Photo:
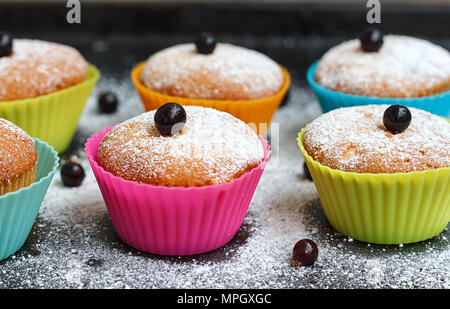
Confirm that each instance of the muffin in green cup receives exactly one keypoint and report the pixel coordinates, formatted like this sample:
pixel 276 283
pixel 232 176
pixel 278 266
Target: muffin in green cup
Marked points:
pixel 44 87
pixel 377 186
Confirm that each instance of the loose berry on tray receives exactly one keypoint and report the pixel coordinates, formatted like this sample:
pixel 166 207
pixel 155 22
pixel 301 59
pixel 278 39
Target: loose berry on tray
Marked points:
pixel 305 253
pixel 306 171
pixel 72 173
pixel 107 102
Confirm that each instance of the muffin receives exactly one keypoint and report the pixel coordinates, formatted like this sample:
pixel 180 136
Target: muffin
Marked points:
pixel 229 73
pixel 226 77
pixel 376 183
pixel 35 68
pixel 178 181
pixel 18 158
pixel 44 87
pixel 365 145
pixel 393 69
pixel 404 67
pixel 212 148
pixel 29 165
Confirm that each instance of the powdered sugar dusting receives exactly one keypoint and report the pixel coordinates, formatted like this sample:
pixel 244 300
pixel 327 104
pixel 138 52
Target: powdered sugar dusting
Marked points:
pixel 229 73
pixel 403 67
pixel 354 139
pixel 7 126
pixel 284 209
pixel 37 67
pixel 213 147
pixel 73 243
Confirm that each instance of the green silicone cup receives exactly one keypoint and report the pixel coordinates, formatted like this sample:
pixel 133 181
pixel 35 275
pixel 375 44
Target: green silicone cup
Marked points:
pixel 395 208
pixel 53 117
pixel 19 209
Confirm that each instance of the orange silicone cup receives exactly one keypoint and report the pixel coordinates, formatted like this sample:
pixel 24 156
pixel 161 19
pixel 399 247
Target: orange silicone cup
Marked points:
pixel 256 113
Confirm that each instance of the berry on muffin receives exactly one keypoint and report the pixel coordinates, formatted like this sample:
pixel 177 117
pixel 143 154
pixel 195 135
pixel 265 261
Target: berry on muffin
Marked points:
pixel 391 66
pixel 5 44
pixel 212 71
pixel 356 139
pixel 170 118
pixel 34 68
pixel 210 148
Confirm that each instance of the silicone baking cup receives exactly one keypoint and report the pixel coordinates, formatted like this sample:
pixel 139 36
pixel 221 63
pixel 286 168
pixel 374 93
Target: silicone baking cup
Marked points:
pixel 19 209
pixel 438 104
pixel 174 220
pixel 53 117
pixel 257 113
pixel 395 208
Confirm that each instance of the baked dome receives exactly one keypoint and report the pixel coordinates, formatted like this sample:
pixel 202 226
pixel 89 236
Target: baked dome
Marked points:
pixel 354 139
pixel 404 67
pixel 38 68
pixel 229 73
pixel 213 147
pixel 18 156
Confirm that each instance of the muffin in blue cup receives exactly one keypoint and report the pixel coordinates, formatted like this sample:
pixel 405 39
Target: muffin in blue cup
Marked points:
pixel 27 168
pixel 377 69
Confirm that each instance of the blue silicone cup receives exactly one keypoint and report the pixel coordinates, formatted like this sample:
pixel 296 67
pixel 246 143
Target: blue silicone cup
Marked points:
pixel 438 104
pixel 18 210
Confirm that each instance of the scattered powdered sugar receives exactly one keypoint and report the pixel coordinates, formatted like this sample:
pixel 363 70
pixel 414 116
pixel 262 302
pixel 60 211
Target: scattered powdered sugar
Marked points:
pixel 403 67
pixel 130 105
pixel 212 148
pixel 229 73
pixel 38 67
pixel 354 139
pixel 73 243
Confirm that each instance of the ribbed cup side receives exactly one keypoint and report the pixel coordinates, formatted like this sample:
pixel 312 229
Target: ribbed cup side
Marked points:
pixel 19 209
pixel 383 208
pixel 53 117
pixel 25 180
pixel 438 104
pixel 174 220
pixel 249 111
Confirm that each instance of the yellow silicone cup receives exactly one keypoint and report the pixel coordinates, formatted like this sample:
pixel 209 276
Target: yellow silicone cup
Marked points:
pixel 395 208
pixel 257 113
pixel 52 117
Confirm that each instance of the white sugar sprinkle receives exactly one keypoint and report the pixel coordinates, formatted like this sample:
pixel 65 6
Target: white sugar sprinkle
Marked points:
pixel 230 70
pixel 38 67
pixel 354 139
pixel 285 208
pixel 213 147
pixel 403 67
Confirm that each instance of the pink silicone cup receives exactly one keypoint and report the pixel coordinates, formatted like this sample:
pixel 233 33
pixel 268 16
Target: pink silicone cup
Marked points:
pixel 174 220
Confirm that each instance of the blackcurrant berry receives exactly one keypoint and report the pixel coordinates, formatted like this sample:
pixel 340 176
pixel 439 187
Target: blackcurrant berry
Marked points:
pixel 170 118
pixel 72 173
pixel 306 171
pixel 107 102
pixel 5 44
pixel 205 43
pixel 371 40
pixel 396 118
pixel 305 253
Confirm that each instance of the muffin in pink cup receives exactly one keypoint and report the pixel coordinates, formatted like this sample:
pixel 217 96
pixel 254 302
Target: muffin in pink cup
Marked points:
pixel 178 181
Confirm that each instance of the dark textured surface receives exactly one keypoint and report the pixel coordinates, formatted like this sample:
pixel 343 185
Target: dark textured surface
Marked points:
pixel 73 244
